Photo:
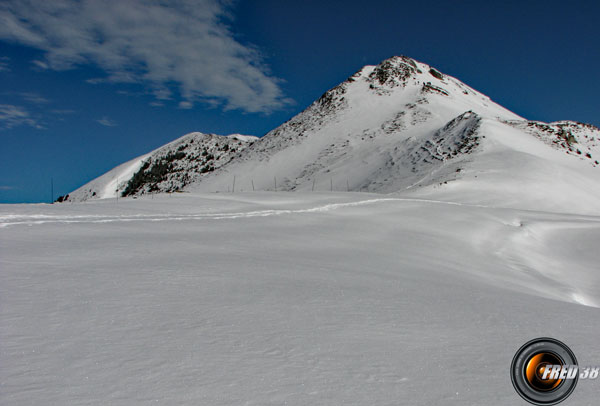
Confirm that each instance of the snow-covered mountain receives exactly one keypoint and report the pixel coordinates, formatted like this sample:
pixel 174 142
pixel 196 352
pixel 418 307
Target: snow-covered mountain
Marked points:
pixel 314 298
pixel 400 126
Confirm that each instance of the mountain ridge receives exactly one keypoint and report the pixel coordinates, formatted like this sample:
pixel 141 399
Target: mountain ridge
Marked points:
pixel 391 127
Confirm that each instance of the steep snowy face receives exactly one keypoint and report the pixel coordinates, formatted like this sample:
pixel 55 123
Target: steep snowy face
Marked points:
pixel 396 94
pixel 167 169
pixel 362 134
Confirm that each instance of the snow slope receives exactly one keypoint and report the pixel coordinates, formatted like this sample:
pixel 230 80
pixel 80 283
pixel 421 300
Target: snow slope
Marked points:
pixel 402 126
pixel 288 298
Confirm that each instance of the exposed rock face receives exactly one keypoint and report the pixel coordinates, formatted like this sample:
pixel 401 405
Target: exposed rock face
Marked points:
pixel 168 169
pixel 579 139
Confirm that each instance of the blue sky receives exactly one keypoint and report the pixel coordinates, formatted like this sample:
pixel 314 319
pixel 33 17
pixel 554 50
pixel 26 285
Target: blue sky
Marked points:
pixel 86 85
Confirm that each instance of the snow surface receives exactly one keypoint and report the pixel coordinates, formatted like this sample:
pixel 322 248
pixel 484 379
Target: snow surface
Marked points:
pixel 288 298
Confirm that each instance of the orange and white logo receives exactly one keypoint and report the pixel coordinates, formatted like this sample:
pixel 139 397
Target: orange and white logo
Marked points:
pixel 545 371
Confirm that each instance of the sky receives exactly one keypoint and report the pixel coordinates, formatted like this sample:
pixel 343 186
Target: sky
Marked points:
pixel 87 85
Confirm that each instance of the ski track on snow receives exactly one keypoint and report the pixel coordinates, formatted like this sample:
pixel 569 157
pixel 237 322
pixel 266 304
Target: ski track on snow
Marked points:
pixel 38 219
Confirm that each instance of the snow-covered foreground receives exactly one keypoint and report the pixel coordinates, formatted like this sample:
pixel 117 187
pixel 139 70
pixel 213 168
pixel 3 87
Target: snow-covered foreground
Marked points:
pixel 288 298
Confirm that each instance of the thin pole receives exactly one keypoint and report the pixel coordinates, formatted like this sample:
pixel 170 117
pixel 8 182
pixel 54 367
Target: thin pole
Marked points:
pixel 275 180
pixel 347 186
pixel 331 180
pixel 51 190
pixel 233 187
pixel 313 187
pixel 253 185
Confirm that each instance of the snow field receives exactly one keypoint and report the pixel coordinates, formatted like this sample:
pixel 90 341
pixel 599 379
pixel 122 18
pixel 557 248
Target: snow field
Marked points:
pixel 287 298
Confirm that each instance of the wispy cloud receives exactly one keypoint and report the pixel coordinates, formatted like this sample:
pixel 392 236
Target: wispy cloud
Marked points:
pixel 6 187
pixel 14 116
pixel 33 98
pixel 29 97
pixel 105 121
pixel 181 49
pixel 4 67
pixel 41 65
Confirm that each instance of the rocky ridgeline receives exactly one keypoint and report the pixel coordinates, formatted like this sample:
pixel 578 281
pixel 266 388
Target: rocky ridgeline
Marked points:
pixel 391 73
pixel 171 169
pixel 575 138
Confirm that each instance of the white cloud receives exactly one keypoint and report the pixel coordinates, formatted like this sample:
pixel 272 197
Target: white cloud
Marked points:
pixel 185 105
pixel 29 97
pixel 105 121
pixel 40 64
pixel 182 44
pixel 14 116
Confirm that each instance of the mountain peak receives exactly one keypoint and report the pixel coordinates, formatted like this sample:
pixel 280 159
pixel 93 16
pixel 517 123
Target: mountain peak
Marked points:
pixel 394 71
pixel 399 126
